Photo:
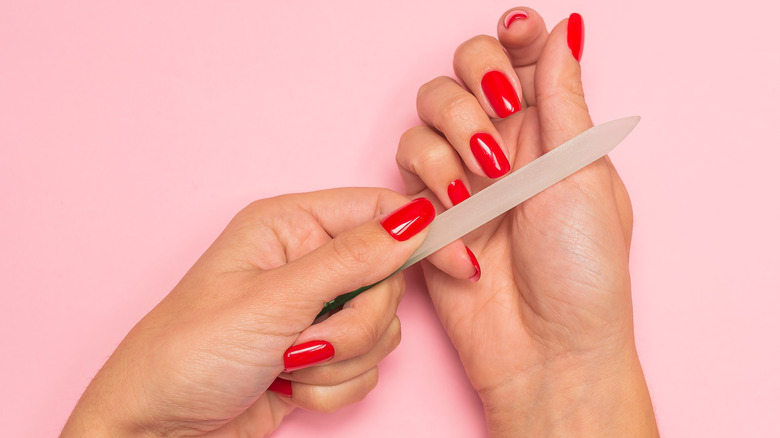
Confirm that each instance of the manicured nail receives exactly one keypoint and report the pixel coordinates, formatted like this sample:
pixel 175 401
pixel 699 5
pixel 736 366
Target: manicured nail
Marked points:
pixel 489 155
pixel 477 270
pixel 575 35
pixel 281 386
pixel 457 192
pixel 516 15
pixel 500 93
pixel 409 220
pixel 307 354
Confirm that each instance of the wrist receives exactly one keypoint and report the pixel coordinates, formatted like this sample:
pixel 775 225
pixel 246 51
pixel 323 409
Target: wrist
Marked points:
pixel 89 420
pixel 107 409
pixel 583 395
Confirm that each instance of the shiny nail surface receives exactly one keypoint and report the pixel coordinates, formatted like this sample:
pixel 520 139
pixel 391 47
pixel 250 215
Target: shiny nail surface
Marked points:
pixel 500 93
pixel 489 155
pixel 307 354
pixel 457 192
pixel 281 386
pixel 409 220
pixel 477 270
pixel 514 16
pixel 575 35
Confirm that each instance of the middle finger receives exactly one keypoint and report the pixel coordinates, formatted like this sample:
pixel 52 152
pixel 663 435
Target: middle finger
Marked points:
pixel 457 114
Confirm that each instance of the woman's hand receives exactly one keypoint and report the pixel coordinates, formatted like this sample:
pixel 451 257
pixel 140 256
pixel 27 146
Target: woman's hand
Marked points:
pixel 240 321
pixel 546 333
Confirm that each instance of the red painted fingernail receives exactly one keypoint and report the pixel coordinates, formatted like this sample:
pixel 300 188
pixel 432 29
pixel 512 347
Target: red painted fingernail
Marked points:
pixel 281 386
pixel 457 192
pixel 511 18
pixel 500 93
pixel 409 220
pixel 307 354
pixel 575 35
pixel 477 270
pixel 489 155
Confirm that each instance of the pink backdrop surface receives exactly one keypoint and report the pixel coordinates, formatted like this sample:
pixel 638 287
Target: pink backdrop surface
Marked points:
pixel 131 132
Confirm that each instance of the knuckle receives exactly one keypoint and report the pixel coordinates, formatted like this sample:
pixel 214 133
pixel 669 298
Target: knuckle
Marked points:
pixel 476 45
pixel 411 135
pixel 410 142
pixel 322 400
pixel 434 84
pixel 254 209
pixel 394 333
pixel 568 93
pixel 265 211
pixel 366 335
pixel 398 286
pixel 452 107
pixel 432 158
pixel 364 384
pixel 372 378
pixel 352 250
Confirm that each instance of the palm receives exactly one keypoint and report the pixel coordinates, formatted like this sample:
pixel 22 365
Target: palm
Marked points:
pixel 544 264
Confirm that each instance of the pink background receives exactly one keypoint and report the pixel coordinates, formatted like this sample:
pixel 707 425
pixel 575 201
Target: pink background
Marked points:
pixel 131 132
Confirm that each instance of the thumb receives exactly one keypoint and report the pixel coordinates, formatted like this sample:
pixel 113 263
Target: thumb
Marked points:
pixel 563 112
pixel 358 257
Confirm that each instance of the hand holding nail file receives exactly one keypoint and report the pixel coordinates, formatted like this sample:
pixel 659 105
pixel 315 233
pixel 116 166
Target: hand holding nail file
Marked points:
pixel 512 190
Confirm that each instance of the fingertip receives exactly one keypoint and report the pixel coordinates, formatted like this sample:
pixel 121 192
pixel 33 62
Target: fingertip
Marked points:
pixel 501 93
pixel 514 15
pixel 409 220
pixel 281 387
pixel 483 66
pixel 477 269
pixel 565 43
pixel 522 32
pixel 457 192
pixel 457 261
pixel 575 35
pixel 490 155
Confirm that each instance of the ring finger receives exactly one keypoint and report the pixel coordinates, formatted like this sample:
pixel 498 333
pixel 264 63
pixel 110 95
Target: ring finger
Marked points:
pixel 443 104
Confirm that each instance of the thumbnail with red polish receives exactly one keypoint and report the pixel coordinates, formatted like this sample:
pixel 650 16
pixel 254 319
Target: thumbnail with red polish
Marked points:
pixel 477 270
pixel 457 192
pixel 307 354
pixel 500 93
pixel 409 220
pixel 281 386
pixel 575 35
pixel 489 155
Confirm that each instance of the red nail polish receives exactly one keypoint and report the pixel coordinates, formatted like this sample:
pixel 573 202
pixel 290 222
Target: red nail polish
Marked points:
pixel 516 15
pixel 457 192
pixel 489 155
pixel 500 93
pixel 477 270
pixel 281 386
pixel 307 354
pixel 409 220
pixel 575 35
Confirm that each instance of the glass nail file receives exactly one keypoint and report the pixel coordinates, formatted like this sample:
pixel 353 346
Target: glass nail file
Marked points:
pixel 512 190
